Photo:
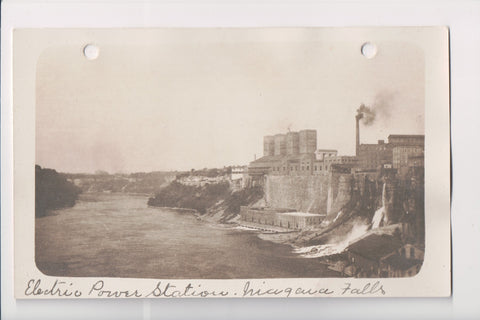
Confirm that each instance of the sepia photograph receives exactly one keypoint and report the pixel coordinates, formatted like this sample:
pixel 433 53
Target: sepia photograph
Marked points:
pixel 228 152
pixel 231 154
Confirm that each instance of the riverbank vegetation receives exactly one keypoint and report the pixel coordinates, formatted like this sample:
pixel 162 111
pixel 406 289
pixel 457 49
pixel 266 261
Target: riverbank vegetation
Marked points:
pixel 52 191
pixel 207 198
pixel 138 182
pixel 177 195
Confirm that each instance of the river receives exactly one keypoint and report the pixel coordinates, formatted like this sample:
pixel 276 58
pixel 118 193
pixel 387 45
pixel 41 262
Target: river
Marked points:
pixel 118 235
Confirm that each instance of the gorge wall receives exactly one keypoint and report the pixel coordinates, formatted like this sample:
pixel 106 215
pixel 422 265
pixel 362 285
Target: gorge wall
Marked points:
pixel 315 194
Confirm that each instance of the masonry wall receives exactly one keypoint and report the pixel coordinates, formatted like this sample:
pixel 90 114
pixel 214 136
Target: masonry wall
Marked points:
pixel 309 193
pixel 341 194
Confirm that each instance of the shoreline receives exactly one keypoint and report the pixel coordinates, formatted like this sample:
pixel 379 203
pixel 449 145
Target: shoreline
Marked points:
pixel 273 234
pixel 276 235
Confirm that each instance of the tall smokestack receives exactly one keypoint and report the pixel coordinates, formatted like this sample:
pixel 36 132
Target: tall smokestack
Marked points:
pixel 357 122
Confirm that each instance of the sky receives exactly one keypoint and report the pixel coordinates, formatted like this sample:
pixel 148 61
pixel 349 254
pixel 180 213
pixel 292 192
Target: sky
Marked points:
pixel 195 103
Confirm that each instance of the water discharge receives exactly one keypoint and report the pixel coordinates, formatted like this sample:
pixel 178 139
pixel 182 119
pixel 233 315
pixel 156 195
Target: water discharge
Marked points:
pixel 379 215
pixel 338 215
pixel 335 246
pixel 311 205
pixel 329 198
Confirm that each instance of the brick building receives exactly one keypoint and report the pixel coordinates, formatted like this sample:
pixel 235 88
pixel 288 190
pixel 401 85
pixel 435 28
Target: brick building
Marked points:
pixel 292 153
pixel 372 156
pixel 396 152
pixel 296 154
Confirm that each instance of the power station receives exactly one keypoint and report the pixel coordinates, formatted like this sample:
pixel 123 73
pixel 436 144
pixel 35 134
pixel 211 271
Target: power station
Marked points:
pixel 296 153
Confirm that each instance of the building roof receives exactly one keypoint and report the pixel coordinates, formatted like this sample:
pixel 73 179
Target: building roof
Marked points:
pixel 302 214
pixel 264 161
pixel 376 145
pixel 375 244
pixel 261 162
pixel 267 159
pixel 406 136
pixel 400 262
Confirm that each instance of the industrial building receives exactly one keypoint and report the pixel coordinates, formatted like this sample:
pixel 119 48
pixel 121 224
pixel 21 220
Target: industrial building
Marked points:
pixel 294 153
pixel 396 152
pixel 279 218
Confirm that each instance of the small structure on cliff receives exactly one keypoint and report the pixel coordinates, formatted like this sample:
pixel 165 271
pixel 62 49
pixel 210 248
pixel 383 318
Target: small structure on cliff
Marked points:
pixel 283 218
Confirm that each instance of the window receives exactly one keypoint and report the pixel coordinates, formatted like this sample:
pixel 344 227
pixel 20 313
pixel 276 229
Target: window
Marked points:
pixel 412 253
pixel 296 168
pixel 308 167
pixel 303 168
pixel 315 168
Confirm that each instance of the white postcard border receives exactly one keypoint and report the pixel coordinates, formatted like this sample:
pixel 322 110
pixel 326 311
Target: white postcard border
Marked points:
pixel 434 277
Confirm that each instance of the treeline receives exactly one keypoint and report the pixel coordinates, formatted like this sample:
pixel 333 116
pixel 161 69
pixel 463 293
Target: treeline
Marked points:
pixel 243 197
pixel 138 182
pixel 210 173
pixel 53 191
pixel 177 195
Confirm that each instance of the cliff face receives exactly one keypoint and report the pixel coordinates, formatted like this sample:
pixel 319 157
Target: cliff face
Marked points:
pixel 303 193
pixel 313 194
pixel 177 195
pixel 216 201
pixel 373 200
pixel 341 194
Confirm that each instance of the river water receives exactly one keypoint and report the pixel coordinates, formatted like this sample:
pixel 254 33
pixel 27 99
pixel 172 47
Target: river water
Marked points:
pixel 118 235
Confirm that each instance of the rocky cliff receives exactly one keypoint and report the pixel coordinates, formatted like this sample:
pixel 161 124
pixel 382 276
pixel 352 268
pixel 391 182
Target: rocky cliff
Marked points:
pixel 325 194
pixel 352 202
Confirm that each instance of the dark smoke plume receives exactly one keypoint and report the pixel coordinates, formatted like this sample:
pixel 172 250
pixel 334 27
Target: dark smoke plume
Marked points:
pixel 384 103
pixel 381 107
pixel 366 114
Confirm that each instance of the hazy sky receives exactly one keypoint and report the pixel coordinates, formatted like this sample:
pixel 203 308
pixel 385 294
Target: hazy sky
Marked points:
pixel 196 104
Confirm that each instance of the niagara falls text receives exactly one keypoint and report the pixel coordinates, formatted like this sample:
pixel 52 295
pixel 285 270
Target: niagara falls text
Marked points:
pixel 162 289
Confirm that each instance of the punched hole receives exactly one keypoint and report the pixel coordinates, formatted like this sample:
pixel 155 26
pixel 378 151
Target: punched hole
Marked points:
pixel 369 50
pixel 91 51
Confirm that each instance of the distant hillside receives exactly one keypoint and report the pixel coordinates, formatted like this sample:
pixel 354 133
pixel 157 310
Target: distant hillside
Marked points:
pixel 214 198
pixel 139 182
pixel 178 195
pixel 53 191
